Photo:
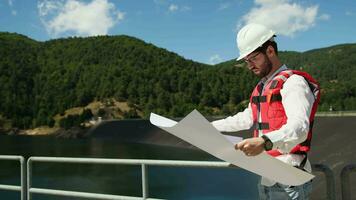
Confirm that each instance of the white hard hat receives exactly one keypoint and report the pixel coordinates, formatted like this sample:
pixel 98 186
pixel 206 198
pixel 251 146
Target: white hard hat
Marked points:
pixel 252 36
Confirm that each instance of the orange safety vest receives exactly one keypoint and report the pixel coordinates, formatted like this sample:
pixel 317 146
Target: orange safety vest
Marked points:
pixel 269 105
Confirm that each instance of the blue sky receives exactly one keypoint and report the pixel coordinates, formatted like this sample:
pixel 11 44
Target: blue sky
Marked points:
pixel 201 30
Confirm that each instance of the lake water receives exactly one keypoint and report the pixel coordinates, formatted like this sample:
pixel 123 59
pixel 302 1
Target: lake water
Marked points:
pixel 333 145
pixel 164 182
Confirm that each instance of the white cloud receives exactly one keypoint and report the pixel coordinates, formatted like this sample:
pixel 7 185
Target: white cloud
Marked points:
pixel 160 2
pixel 186 8
pixel 10 2
pixel 78 18
pixel 283 16
pixel 173 7
pixel 324 17
pixel 46 7
pixel 215 59
pixel 224 6
pixel 349 13
pixel 120 15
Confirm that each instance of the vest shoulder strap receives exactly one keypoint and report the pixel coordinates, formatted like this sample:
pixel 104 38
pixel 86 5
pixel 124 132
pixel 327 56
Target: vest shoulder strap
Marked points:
pixel 284 75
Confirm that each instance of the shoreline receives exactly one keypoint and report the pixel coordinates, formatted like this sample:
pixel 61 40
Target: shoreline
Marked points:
pixel 73 132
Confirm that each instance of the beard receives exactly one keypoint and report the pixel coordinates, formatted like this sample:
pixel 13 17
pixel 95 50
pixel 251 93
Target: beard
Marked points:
pixel 265 68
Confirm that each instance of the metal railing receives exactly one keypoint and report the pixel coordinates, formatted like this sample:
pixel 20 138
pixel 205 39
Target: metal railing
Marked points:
pixel 22 187
pixel 330 179
pixel 345 181
pixel 27 189
pixel 143 163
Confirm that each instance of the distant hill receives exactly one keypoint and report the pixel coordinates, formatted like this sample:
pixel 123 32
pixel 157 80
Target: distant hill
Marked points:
pixel 335 69
pixel 39 80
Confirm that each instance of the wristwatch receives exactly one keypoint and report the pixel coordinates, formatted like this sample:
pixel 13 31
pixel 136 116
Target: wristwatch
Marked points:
pixel 268 144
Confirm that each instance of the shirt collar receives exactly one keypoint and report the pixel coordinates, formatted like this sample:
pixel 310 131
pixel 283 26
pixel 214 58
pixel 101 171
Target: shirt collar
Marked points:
pixel 266 79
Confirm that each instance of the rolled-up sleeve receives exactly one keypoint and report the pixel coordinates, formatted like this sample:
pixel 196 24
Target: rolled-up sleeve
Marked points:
pixel 240 121
pixel 297 100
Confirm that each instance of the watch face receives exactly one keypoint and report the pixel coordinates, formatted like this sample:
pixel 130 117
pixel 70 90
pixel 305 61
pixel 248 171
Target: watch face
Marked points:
pixel 268 145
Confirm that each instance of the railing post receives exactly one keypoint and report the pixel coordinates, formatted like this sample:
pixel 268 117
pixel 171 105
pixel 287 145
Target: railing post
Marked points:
pixel 144 182
pixel 345 181
pixel 23 179
pixel 330 179
pixel 29 178
pixel 20 188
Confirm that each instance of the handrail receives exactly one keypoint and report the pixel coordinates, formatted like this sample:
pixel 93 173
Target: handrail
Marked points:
pixel 21 188
pixel 345 181
pixel 26 188
pixel 176 163
pixel 143 163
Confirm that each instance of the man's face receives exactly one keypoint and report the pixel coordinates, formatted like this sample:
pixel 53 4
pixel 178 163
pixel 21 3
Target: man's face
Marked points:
pixel 258 63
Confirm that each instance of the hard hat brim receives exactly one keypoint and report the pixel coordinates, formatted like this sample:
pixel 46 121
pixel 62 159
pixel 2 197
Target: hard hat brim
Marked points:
pixel 243 55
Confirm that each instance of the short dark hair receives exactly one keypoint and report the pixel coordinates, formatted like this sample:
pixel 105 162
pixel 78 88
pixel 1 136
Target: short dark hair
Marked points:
pixel 265 45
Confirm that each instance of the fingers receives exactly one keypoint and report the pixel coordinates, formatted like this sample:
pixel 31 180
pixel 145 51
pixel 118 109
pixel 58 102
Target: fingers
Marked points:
pixel 240 145
pixel 244 147
pixel 247 146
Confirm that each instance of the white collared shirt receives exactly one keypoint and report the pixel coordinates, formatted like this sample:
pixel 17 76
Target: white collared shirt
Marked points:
pixel 297 100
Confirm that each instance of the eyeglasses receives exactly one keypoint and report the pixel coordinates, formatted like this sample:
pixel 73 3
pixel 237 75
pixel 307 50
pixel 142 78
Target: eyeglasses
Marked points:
pixel 252 59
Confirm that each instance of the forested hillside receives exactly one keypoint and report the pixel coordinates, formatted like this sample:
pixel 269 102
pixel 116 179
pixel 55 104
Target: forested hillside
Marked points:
pixel 41 79
pixel 333 67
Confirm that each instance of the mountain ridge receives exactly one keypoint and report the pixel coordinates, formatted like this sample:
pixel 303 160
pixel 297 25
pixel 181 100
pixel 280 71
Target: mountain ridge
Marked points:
pixel 39 80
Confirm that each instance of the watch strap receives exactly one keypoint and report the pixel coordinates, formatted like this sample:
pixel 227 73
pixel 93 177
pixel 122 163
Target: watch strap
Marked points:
pixel 268 143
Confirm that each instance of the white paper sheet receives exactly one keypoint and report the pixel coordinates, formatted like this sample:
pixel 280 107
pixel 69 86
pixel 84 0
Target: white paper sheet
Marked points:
pixel 233 139
pixel 198 131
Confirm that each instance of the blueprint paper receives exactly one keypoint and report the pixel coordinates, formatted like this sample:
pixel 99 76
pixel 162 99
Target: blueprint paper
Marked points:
pixel 233 139
pixel 198 131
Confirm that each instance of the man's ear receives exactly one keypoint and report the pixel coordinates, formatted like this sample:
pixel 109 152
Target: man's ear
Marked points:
pixel 270 51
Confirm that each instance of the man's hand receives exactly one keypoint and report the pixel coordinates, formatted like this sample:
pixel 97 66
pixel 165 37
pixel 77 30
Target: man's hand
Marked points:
pixel 251 146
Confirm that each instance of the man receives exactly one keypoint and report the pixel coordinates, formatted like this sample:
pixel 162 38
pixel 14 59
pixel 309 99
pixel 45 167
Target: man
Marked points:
pixel 281 109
